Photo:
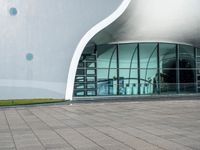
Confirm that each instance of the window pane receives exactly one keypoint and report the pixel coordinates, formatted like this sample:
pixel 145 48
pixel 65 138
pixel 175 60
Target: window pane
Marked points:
pixel 168 80
pixel 80 72
pixel 90 93
pixel 79 79
pixel 79 93
pixel 90 86
pixel 128 56
pixel 186 69
pixel 102 74
pixel 90 79
pixel 105 87
pixel 148 80
pixel 186 57
pixel 106 56
pixel 91 72
pixel 80 86
pixel 187 80
pixel 198 52
pixel 168 68
pixel 148 56
pixel 167 56
pixel 90 64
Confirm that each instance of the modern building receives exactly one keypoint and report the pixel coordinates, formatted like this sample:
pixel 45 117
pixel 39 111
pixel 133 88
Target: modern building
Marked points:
pixel 74 48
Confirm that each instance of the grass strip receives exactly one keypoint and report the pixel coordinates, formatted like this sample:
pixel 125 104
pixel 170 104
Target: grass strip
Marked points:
pixel 28 101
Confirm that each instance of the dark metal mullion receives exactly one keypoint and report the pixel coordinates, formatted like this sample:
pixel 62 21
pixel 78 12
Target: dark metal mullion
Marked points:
pixel 146 69
pixel 118 76
pixel 95 65
pixel 195 70
pixel 130 67
pixel 177 69
pixel 158 68
pixel 138 64
pixel 85 75
pixel 110 61
pixel 110 66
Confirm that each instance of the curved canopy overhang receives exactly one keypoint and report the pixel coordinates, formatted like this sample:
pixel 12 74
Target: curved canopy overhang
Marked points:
pixel 85 40
pixel 155 21
pixel 165 21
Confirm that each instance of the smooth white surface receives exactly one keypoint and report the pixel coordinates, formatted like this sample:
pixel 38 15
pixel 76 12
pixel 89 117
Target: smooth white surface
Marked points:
pixel 169 21
pixel 86 38
pixel 41 89
pixel 51 31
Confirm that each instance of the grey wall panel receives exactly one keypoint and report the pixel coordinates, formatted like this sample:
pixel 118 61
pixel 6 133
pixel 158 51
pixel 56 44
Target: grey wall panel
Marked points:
pixel 50 30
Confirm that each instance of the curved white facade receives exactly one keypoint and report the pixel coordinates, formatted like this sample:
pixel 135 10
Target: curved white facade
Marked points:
pixel 84 41
pixel 41 41
pixel 37 41
pixel 155 21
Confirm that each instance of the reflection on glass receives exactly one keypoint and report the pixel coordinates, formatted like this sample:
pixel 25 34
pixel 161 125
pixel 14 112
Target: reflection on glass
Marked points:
pixel 128 56
pixel 186 69
pixel 148 68
pixel 164 68
pixel 106 56
pixel 168 68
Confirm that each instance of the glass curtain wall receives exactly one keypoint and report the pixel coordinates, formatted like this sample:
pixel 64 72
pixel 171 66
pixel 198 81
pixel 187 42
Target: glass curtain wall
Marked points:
pixel 168 68
pixel 197 70
pixel 128 72
pixel 148 68
pixel 106 70
pixel 187 68
pixel 139 69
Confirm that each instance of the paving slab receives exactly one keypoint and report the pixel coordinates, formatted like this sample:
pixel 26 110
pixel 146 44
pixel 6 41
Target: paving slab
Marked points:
pixel 120 125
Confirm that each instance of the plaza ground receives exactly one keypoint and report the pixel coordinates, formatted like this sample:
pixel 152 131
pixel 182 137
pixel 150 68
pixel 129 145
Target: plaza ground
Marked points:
pixel 145 125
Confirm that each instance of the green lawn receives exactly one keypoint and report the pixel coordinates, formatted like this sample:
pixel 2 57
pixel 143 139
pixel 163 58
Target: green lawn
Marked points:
pixel 28 101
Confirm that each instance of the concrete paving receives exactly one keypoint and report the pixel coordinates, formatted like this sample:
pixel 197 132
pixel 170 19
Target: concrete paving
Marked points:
pixel 147 125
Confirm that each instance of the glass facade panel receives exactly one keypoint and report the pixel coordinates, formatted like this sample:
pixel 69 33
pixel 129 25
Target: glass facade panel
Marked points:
pixel 106 56
pixel 198 51
pixel 79 93
pixel 90 86
pixel 80 65
pixel 168 63
pixel 128 56
pixel 79 86
pixel 106 69
pixel 127 69
pixel 90 64
pixel 167 55
pixel 186 69
pixel 102 74
pixel 105 87
pixel 79 79
pixel 148 56
pixel 148 68
pixel 138 69
pixel 91 93
pixel 168 81
pixel 90 79
pixel 90 71
pixel 148 81
pixel 80 72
